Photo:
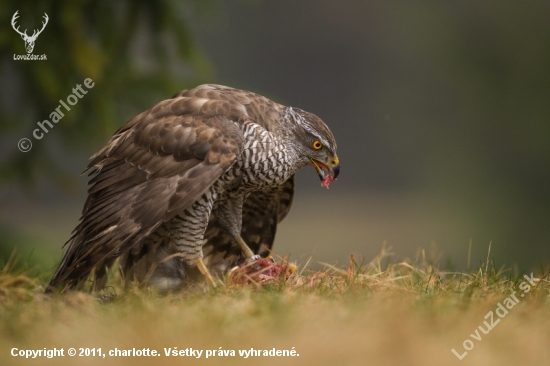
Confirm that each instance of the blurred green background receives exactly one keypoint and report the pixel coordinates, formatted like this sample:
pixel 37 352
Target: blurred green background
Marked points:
pixel 441 111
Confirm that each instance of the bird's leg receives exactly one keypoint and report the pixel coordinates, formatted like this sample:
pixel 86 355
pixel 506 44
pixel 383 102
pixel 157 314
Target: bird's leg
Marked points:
pixel 249 254
pixel 229 215
pixel 205 272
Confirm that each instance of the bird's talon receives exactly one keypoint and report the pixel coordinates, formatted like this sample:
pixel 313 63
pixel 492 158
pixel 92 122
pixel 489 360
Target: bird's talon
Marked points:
pixel 254 258
pixel 204 270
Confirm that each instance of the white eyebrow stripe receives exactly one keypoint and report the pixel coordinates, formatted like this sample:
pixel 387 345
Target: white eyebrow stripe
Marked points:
pixel 307 126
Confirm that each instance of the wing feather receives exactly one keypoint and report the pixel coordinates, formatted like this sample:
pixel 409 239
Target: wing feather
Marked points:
pixel 154 167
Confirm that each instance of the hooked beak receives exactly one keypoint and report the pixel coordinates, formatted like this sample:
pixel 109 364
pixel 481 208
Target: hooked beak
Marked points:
pixel 327 172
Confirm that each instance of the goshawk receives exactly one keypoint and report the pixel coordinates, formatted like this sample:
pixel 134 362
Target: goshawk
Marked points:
pixel 206 174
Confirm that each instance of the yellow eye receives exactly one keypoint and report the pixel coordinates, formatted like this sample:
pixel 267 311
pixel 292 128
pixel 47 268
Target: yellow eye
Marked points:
pixel 317 145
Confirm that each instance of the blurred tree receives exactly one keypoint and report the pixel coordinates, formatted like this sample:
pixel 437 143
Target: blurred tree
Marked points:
pixel 136 52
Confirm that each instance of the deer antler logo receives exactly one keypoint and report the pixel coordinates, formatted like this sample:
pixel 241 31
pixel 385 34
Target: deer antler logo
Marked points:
pixel 29 41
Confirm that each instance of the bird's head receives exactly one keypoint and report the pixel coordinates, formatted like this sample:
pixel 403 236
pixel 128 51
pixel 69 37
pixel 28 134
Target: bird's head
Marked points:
pixel 316 144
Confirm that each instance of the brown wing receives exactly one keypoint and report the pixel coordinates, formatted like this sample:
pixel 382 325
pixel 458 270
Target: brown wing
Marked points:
pixel 240 103
pixel 154 167
pixel 262 211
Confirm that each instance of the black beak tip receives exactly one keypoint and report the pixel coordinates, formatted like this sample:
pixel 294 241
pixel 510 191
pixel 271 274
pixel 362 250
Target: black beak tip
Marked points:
pixel 336 170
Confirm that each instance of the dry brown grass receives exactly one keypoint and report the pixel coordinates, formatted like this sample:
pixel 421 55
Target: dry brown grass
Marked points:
pixel 377 314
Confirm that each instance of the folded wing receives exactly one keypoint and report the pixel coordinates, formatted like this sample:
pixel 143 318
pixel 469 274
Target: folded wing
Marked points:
pixel 155 166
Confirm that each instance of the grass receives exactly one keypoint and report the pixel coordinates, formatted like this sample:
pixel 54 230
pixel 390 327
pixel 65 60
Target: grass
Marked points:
pixel 380 313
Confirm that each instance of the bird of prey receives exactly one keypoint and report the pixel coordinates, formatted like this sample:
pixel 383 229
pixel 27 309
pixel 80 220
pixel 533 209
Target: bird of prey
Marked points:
pixel 206 174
